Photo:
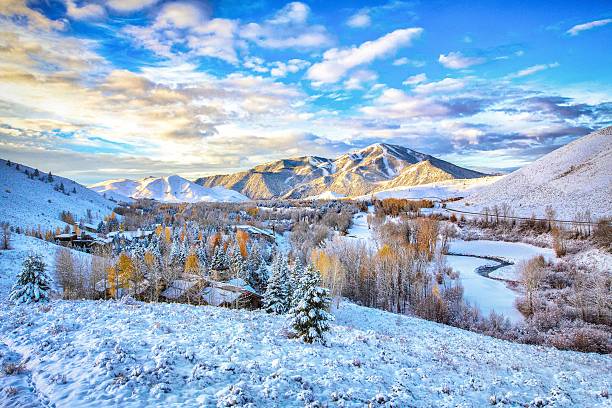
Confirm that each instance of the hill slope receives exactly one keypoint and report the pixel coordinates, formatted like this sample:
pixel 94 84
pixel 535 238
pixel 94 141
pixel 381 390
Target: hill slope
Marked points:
pixel 29 202
pixel 171 189
pixel 573 178
pixel 377 167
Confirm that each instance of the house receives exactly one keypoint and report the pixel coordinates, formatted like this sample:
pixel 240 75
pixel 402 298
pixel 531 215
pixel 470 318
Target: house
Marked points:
pixel 234 293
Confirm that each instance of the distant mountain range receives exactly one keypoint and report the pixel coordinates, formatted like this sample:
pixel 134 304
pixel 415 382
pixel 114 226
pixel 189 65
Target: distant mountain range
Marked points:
pixel 170 189
pixel 377 167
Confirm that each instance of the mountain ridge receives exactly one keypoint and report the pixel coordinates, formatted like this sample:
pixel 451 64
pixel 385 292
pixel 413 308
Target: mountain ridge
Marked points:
pixel 375 167
pixel 169 189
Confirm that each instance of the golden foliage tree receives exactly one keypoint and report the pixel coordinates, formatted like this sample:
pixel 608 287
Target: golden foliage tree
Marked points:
pixel 191 263
pixel 242 237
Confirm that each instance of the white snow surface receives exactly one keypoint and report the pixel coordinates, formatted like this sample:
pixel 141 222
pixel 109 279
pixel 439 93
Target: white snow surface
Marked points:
pixel 170 189
pixel 30 203
pixel 513 252
pixel 132 354
pixel 441 189
pixel 573 178
pixel 326 195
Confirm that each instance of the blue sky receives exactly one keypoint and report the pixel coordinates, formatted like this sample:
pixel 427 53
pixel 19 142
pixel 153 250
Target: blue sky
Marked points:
pixel 130 88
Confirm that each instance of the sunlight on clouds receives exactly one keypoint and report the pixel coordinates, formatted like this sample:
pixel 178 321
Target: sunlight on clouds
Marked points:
pixel 338 61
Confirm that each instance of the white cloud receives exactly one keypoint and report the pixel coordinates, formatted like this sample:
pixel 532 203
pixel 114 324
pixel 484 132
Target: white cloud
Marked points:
pixel 575 30
pixel 456 60
pixel 34 18
pixel 405 61
pixel 288 28
pixel 396 104
pixel 532 70
pixel 338 61
pixel 357 79
pixel 359 20
pixel 187 24
pixel 281 69
pixel 292 13
pixel 415 79
pixel 129 5
pixel 86 11
pixel 446 85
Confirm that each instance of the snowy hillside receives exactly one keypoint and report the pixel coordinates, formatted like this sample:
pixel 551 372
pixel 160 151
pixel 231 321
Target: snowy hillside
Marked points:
pixel 573 178
pixel 26 202
pixel 171 189
pixel 133 354
pixel 443 189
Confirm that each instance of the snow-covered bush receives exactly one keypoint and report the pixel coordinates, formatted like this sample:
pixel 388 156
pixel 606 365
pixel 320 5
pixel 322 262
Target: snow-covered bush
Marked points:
pixel 310 317
pixel 33 283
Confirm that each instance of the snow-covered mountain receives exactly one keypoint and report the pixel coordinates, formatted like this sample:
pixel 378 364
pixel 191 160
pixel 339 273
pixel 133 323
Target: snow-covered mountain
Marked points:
pixel 30 202
pixel 377 167
pixel 170 189
pixel 573 178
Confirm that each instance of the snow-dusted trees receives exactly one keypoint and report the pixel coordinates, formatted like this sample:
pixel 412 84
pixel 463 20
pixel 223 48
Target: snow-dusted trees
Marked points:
pixel 532 273
pixel 5 238
pixel 33 282
pixel 310 317
pixel 297 274
pixel 219 259
pixel 276 297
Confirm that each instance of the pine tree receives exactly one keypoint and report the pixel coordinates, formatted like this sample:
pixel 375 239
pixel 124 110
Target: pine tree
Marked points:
pixel 36 173
pixel 297 273
pixel 237 265
pixel 50 177
pixel 276 297
pixel 219 260
pixel 310 317
pixel 33 282
pixel 17 167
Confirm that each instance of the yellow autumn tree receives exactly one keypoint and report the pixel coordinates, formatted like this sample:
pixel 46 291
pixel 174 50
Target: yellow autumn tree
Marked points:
pixel 191 263
pixel 158 230
pixel 168 235
pixel 120 275
pixel 242 237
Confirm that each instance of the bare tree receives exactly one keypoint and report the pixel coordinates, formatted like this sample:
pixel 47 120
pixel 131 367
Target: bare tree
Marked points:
pixel 5 241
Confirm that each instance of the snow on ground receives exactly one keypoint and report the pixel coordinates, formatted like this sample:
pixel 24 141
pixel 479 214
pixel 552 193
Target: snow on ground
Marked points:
pixel 132 354
pixel 171 189
pixel 30 203
pixel 573 178
pixel 326 195
pixel 485 293
pixel 441 189
pixel 359 231
pixel 22 246
pixel 513 252
pixel 106 353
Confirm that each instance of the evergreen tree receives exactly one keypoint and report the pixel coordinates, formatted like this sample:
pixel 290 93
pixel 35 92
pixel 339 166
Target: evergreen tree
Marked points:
pixel 276 297
pixel 17 167
pixel 310 317
pixel 36 173
pixel 200 252
pixel 8 163
pixel 33 282
pixel 50 177
pixel 297 273
pixel 237 266
pixel 219 260
pixel 73 190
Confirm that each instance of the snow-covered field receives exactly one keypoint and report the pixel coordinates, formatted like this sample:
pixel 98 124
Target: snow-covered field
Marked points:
pixel 107 353
pixel 512 252
pixel 30 203
pixel 485 293
pixel 132 354
pixel 442 189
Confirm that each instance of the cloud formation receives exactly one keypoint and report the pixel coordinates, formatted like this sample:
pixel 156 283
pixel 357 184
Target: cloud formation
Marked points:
pixel 338 61
pixel 577 29
pixel 456 60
